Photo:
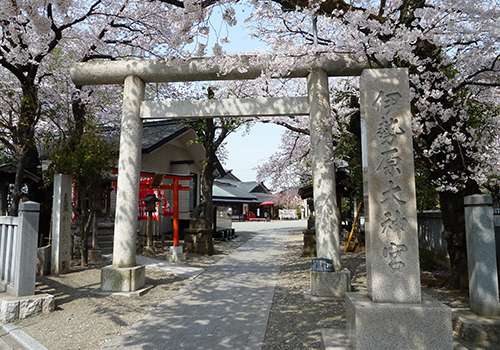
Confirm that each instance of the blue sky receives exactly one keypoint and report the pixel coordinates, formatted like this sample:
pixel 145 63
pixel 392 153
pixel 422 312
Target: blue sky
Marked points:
pixel 246 152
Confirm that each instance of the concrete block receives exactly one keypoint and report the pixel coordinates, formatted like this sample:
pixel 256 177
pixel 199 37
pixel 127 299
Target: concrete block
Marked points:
pixel 23 283
pixel 123 279
pixel 484 330
pixel 481 255
pixel 330 284
pixel 43 261
pixel 48 304
pixel 176 254
pixel 9 311
pixel 30 307
pixel 426 325
pixel 137 278
pixel 13 308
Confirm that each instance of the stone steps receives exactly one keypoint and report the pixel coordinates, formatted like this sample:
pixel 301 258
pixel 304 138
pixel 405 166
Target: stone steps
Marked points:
pixel 105 238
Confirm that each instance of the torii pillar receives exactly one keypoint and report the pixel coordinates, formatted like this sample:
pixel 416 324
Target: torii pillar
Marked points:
pixel 124 275
pixel 337 282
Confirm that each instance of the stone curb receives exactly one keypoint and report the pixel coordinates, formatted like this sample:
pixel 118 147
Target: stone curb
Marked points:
pixel 14 308
pixel 22 338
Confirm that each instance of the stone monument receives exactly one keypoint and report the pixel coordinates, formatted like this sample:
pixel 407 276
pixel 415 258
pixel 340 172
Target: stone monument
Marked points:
pixel 61 224
pixel 392 315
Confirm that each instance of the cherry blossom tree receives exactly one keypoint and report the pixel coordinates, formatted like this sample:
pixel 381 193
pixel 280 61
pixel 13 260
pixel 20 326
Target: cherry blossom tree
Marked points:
pixel 288 199
pixel 451 50
pixel 212 133
pixel 36 34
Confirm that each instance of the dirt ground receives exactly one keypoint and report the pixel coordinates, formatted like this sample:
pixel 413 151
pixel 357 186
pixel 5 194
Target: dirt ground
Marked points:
pixel 86 319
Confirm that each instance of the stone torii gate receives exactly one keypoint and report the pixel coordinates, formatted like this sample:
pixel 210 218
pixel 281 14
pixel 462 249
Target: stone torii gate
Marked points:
pixel 394 301
pixel 124 275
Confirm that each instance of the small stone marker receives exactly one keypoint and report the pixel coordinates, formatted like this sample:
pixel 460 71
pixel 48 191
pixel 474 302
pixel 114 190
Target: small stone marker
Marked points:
pixel 61 224
pixel 481 255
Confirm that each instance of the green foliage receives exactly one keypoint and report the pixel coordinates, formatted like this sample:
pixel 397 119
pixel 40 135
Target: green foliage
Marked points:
pixel 349 150
pixel 428 261
pixel 427 195
pixel 83 153
pixel 86 156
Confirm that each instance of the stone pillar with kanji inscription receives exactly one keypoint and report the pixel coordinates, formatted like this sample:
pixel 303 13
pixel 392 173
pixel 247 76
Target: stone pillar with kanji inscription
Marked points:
pixel 61 224
pixel 393 314
pixel 392 265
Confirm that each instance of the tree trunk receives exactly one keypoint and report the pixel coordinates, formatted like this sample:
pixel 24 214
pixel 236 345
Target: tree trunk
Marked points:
pixel 207 182
pixel 18 184
pixel 453 217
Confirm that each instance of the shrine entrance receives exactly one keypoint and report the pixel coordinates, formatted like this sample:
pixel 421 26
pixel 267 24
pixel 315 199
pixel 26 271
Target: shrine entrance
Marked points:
pixel 135 74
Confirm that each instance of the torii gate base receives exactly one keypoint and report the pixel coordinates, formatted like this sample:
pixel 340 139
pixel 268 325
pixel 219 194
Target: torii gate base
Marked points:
pixel 123 279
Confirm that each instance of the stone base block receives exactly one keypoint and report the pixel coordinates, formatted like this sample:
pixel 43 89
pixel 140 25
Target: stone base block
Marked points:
pixel 176 254
pixel 15 308
pixel 123 279
pixel 330 284
pixel 484 330
pixel 309 248
pixel 94 255
pixel 199 241
pixel 380 326
pixel 148 251
pixel 43 261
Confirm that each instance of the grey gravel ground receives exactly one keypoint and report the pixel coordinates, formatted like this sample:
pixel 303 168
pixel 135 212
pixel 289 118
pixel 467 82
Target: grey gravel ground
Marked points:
pixel 84 319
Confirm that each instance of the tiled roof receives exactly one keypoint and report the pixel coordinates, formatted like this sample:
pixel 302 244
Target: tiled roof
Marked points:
pixel 230 190
pixel 155 134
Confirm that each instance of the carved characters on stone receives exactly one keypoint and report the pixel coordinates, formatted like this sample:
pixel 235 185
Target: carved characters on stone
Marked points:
pixel 393 252
pixel 393 223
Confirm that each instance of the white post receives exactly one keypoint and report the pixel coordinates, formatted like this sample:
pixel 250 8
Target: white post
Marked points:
pixel 129 163
pixel 325 198
pixel 481 255
pixel 25 255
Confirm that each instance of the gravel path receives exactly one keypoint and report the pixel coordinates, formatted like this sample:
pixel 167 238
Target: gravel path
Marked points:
pixel 84 319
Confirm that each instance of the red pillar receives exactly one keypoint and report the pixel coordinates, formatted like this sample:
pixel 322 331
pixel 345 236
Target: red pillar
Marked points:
pixel 176 212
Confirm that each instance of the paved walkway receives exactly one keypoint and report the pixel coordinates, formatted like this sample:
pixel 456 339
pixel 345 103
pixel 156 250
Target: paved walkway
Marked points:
pixel 225 307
